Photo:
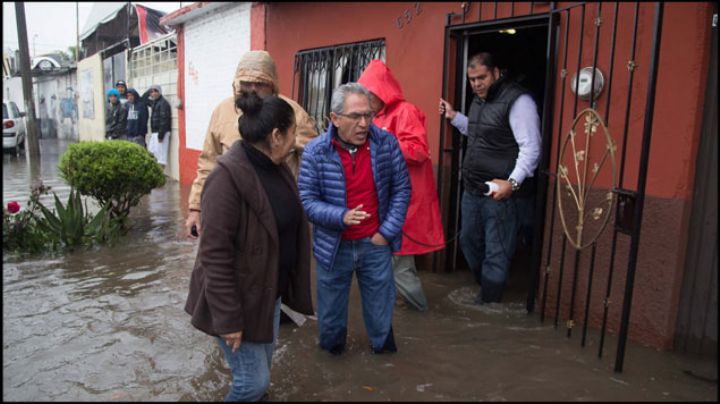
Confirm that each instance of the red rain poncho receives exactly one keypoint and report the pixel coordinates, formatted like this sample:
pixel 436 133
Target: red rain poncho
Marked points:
pixel 407 123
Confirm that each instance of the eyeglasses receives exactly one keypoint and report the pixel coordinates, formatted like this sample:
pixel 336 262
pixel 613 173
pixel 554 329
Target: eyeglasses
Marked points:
pixel 355 116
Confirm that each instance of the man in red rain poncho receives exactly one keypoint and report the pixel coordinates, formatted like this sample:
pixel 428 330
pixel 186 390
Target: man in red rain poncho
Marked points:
pixel 422 231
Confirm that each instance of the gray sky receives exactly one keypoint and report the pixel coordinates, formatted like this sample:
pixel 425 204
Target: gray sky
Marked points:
pixel 55 23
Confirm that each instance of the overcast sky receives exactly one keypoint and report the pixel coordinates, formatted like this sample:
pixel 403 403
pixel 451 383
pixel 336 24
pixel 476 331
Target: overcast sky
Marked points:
pixel 55 23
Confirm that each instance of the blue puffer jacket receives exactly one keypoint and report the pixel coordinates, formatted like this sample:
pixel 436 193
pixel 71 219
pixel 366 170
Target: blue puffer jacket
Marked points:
pixel 321 183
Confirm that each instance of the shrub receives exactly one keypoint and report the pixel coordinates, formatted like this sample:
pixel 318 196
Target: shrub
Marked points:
pixel 116 173
pixel 72 225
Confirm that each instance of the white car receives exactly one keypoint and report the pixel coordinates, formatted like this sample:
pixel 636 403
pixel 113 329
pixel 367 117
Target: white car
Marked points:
pixel 13 127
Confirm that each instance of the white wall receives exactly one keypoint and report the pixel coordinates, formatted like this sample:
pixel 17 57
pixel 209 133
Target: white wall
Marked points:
pixel 13 91
pixel 168 82
pixel 90 88
pixel 59 87
pixel 214 44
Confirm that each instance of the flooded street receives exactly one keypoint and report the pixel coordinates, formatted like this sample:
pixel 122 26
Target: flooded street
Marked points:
pixel 107 324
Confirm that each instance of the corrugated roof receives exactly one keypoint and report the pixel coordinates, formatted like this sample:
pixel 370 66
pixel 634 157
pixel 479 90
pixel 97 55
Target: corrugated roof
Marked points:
pixel 101 12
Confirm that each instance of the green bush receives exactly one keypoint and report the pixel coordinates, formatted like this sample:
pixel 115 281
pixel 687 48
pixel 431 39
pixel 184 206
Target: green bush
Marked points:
pixel 116 173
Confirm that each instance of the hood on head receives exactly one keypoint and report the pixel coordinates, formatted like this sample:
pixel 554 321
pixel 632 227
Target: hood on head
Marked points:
pixel 256 66
pixel 378 78
pixel 114 92
pixel 156 87
pixel 134 93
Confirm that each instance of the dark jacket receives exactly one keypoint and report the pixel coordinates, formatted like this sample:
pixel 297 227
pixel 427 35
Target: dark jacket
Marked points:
pixel 115 118
pixel 233 286
pixel 322 190
pixel 137 116
pixel 160 120
pixel 492 149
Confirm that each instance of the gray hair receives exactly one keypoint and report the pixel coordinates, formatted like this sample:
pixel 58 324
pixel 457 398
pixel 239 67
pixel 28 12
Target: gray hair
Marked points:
pixel 337 103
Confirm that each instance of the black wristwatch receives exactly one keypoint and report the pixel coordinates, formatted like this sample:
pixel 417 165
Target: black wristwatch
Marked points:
pixel 514 184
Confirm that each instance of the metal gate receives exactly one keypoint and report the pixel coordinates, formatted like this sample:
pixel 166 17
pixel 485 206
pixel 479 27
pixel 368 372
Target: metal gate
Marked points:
pixel 593 63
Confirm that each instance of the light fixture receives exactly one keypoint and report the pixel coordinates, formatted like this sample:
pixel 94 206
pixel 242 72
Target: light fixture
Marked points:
pixel 510 31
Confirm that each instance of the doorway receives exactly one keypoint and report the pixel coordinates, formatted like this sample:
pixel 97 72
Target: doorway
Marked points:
pixel 521 49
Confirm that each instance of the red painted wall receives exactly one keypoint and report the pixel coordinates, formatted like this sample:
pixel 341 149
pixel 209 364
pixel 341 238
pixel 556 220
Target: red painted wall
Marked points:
pixel 415 54
pixel 188 158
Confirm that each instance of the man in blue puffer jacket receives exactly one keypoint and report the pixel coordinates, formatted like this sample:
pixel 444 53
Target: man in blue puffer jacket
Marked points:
pixel 355 188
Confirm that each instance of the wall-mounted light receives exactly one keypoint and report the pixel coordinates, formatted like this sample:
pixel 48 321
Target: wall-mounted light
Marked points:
pixel 582 88
pixel 510 31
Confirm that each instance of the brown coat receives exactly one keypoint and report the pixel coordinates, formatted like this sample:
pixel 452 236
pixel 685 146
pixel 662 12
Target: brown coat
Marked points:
pixel 233 286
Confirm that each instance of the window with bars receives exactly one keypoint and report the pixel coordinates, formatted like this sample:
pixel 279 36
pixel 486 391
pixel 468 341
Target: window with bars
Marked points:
pixel 155 57
pixel 319 71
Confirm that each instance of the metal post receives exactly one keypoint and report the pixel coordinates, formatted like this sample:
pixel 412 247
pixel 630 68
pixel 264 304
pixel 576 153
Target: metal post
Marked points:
pixel 31 123
pixel 77 32
pixel 443 123
pixel 551 57
pixel 642 180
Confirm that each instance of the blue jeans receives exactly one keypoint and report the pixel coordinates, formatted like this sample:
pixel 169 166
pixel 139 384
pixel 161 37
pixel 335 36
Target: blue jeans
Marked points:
pixel 373 266
pixel 250 365
pixel 487 239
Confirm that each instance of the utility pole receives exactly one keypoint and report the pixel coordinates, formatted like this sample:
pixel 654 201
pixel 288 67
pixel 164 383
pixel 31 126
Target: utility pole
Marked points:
pixel 31 123
pixel 77 32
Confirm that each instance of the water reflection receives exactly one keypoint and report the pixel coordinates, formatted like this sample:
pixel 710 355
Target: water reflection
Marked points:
pixel 107 324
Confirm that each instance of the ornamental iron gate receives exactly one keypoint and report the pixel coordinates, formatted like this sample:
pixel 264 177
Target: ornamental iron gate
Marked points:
pixel 597 79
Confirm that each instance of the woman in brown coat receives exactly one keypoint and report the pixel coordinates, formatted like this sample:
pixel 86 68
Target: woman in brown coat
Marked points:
pixel 255 247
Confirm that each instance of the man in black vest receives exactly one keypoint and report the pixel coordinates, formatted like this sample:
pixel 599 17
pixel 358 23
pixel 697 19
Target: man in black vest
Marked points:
pixel 503 129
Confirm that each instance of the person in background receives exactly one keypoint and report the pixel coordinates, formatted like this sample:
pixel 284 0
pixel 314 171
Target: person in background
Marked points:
pixel 503 130
pixel 255 250
pixel 355 189
pixel 255 73
pixel 115 117
pixel 137 118
pixel 160 124
pixel 422 231
pixel 122 88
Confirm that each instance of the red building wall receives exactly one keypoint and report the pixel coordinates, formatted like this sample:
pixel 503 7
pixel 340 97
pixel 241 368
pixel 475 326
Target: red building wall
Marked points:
pixel 415 54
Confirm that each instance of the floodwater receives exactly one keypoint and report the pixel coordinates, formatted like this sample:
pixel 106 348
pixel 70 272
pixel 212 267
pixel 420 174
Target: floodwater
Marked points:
pixel 107 324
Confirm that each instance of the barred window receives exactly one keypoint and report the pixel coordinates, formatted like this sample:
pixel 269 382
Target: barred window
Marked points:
pixel 158 56
pixel 320 71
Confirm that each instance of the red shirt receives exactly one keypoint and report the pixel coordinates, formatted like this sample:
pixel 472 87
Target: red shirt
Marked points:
pixel 360 189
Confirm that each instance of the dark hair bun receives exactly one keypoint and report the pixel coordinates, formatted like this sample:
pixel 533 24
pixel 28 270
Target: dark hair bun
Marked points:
pixel 249 103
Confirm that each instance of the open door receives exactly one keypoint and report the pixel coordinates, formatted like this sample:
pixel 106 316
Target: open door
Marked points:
pixel 524 48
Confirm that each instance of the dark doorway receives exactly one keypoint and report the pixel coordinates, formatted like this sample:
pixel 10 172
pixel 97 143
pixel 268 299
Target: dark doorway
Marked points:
pixel 521 53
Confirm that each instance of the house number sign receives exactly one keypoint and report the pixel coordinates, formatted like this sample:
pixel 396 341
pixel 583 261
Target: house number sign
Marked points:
pixel 406 17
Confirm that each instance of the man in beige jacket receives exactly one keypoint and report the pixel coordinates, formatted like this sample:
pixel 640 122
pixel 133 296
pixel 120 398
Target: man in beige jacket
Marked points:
pixel 255 72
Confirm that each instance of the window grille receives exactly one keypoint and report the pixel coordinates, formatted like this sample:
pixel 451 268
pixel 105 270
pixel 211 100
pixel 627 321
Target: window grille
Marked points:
pixel 321 70
pixel 155 57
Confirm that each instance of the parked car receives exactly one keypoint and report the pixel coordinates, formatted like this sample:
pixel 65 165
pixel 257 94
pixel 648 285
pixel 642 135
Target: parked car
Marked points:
pixel 14 131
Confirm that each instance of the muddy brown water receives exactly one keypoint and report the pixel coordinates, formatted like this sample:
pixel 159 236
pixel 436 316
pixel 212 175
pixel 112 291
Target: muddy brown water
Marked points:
pixel 107 324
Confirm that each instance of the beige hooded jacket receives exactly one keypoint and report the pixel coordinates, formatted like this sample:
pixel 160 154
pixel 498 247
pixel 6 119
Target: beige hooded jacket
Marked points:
pixel 222 131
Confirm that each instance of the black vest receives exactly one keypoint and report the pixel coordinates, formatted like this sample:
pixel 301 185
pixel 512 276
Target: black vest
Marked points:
pixel 491 148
